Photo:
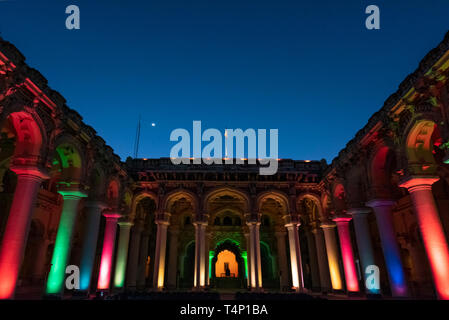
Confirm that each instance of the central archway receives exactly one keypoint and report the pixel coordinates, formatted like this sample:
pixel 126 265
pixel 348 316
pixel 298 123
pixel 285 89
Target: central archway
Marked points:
pixel 232 277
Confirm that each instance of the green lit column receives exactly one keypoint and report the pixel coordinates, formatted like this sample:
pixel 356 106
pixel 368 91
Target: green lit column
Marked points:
pixel 61 252
pixel 122 255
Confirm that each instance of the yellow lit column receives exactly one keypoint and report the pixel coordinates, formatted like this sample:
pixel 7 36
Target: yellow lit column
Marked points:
pixel 295 256
pixel 159 260
pixel 200 255
pixel 332 255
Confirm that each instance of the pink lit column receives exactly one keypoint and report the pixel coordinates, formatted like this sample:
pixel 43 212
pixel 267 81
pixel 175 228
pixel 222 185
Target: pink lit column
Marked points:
pixel 352 282
pixel 17 228
pixel 107 253
pixel 435 243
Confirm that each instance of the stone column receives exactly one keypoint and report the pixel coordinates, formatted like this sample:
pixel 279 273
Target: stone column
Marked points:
pixel 94 209
pixel 133 259
pixel 173 258
pixel 17 228
pixel 40 263
pixel 256 270
pixel 200 255
pixel 143 258
pixel 61 252
pixel 122 254
pixel 332 255
pixel 322 261
pixel 364 244
pixel 295 256
pixel 159 260
pixel 390 247
pixel 107 253
pixel 208 274
pixel 248 252
pixel 352 282
pixel 282 258
pixel 434 239
pixel 314 269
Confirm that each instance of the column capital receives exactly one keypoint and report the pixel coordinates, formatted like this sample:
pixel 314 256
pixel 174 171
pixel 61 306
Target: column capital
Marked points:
pixel 415 183
pixel 161 222
pixel 342 218
pixel 111 214
pixel 72 194
pixel 359 211
pixel 125 224
pixel 200 223
pixel 374 203
pixel 95 204
pixel 32 171
pixel 327 224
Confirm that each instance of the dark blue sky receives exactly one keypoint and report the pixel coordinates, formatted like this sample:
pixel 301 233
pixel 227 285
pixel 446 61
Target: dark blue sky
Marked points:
pixel 310 69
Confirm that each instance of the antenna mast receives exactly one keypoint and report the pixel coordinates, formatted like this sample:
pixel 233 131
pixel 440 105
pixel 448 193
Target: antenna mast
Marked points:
pixel 137 141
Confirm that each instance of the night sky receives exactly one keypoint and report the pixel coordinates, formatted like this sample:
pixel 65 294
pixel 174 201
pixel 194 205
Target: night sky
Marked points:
pixel 310 69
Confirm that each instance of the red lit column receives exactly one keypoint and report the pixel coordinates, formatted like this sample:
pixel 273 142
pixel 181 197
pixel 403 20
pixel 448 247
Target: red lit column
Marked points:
pixel 352 282
pixel 435 243
pixel 104 278
pixel 17 228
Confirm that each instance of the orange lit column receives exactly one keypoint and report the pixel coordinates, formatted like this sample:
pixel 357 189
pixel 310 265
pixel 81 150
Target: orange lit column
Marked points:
pixel 435 243
pixel 254 241
pixel 332 255
pixel 104 278
pixel 390 247
pixel 159 260
pixel 295 256
pixel 352 282
pixel 200 254
pixel 17 228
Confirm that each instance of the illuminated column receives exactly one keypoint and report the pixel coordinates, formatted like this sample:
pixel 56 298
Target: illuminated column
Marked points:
pixel 434 239
pixel 282 258
pixel 256 271
pixel 321 257
pixel 364 244
pixel 352 282
pixel 133 259
pixel 332 255
pixel 61 252
pixel 173 258
pixel 159 260
pixel 200 254
pixel 142 261
pixel 122 254
pixel 295 256
pixel 17 228
pixel 94 209
pixel 315 273
pixel 110 231
pixel 39 269
pixel 248 249
pixel 390 247
pixel 208 274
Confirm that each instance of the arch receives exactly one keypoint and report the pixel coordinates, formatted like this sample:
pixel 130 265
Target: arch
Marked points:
pixel 226 191
pixel 339 197
pixel 137 198
pixel 30 138
pixel 419 146
pixel 177 194
pixel 268 264
pixel 234 247
pixel 315 198
pixel 276 195
pixel 381 167
pixel 68 161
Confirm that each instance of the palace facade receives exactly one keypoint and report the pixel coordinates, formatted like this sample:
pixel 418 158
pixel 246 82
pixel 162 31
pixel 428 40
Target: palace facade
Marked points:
pixel 68 203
